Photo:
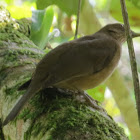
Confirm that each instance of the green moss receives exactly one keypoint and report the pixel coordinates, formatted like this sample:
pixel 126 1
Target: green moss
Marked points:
pixel 2 44
pixel 11 58
pixel 5 14
pixel 62 117
pixel 9 138
pixel 30 53
pixel 15 46
pixel 25 26
pixel 15 31
pixel 3 75
pixel 13 91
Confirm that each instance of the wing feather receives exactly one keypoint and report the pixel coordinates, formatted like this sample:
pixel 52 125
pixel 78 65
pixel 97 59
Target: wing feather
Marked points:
pixel 75 59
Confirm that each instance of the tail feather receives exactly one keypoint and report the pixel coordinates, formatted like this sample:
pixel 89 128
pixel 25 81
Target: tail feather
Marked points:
pixel 18 107
pixel 25 85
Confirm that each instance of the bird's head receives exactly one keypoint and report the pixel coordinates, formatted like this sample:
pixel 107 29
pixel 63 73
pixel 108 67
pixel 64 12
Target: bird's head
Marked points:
pixel 117 31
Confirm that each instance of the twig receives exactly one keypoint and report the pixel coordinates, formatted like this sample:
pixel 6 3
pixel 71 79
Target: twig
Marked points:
pixel 132 56
pixel 77 22
pixel 1 131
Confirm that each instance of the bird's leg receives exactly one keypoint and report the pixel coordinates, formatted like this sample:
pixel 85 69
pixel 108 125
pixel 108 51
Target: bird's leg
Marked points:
pixel 90 101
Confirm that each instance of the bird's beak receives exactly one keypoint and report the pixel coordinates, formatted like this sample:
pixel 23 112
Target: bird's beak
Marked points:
pixel 135 34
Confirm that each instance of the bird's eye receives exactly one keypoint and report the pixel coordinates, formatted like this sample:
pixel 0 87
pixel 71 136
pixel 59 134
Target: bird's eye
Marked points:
pixel 122 25
pixel 112 31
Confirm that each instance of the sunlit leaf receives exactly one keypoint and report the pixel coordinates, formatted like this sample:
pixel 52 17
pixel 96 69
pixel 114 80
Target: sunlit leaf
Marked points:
pixel 41 23
pixel 134 17
pixel 37 18
pixel 100 4
pixel 68 6
pixel 135 2
pixel 111 107
pixel 97 93
pixel 9 1
pixel 23 11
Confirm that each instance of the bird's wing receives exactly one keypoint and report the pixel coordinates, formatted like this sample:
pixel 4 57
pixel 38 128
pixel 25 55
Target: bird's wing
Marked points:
pixel 75 59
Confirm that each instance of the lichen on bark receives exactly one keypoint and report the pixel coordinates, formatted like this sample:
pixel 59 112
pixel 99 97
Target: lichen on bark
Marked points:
pixel 51 114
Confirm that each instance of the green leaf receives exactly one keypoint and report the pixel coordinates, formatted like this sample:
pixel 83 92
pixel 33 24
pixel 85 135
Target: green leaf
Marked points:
pixel 41 23
pixel 37 19
pixel 134 17
pixel 135 2
pixel 68 6
pixel 97 93
pixel 23 11
pixel 9 1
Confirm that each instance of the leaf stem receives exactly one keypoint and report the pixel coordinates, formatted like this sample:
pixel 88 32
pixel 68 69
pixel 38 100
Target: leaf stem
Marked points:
pixel 77 22
pixel 132 56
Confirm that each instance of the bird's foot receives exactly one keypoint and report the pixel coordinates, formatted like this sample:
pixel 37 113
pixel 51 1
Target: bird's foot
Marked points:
pixel 90 101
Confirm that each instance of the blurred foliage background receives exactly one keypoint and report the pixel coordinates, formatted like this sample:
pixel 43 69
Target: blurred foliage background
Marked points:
pixel 54 22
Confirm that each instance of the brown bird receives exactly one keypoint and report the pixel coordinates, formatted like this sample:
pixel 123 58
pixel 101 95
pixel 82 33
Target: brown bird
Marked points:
pixel 80 64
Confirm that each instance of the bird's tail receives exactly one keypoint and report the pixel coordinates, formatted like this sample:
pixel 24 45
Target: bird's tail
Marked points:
pixel 18 107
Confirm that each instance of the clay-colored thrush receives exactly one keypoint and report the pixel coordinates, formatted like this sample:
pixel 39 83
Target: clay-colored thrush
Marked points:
pixel 82 64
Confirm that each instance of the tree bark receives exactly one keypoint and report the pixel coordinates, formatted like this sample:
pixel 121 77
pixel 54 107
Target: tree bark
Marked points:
pixel 52 113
